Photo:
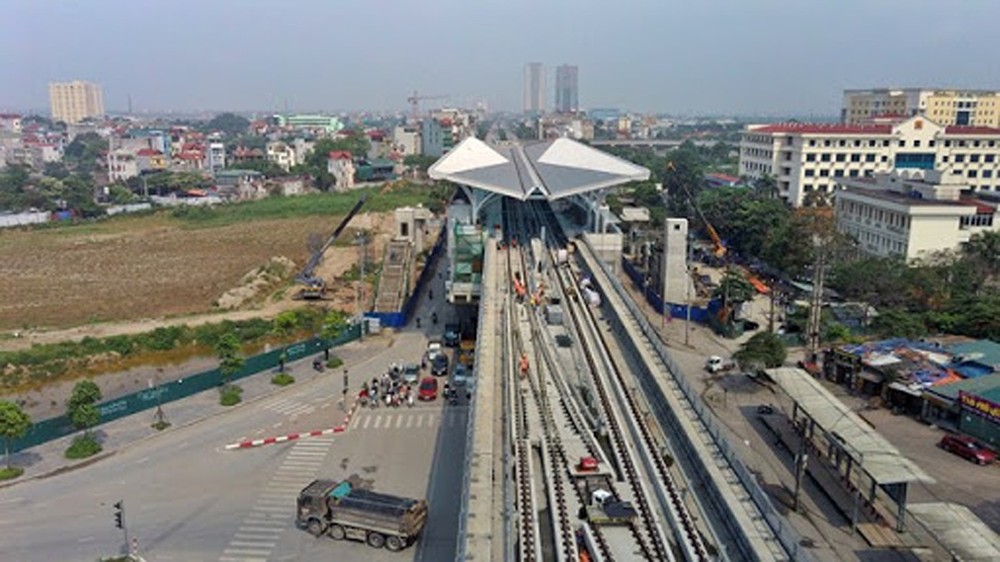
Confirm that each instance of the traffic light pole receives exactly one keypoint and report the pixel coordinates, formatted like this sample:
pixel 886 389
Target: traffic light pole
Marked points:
pixel 120 521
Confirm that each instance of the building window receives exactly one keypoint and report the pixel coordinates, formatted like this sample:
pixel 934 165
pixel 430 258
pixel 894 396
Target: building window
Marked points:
pixel 810 157
pixel 853 173
pixel 826 142
pixel 841 157
pixel 959 158
pixel 825 157
pixel 988 158
pixel 972 173
pixel 916 143
pixel 947 144
pixel 842 143
pixel 870 157
pixel 902 142
pixel 885 143
pixel 810 173
pixel 987 173
pixel 812 142
pixel 871 142
pixel 824 173
pixel 857 142
pixel 931 143
pixel 856 157
pixel 838 173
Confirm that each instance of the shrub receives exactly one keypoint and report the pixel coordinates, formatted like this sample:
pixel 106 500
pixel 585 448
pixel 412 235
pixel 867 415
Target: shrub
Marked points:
pixel 230 395
pixel 282 379
pixel 10 472
pixel 83 446
pixel 334 362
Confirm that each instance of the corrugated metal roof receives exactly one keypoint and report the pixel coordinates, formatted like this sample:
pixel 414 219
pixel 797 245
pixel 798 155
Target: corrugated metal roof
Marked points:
pixel 977 386
pixel 881 460
pixel 556 169
pixel 958 530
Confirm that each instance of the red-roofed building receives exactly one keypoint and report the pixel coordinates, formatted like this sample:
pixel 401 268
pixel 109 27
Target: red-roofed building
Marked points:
pixel 340 164
pixel 809 160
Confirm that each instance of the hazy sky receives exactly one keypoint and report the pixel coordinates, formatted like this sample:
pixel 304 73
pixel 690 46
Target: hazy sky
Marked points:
pixel 775 57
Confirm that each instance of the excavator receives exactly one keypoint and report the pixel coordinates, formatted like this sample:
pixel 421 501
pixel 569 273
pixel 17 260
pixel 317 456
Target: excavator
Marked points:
pixel 314 286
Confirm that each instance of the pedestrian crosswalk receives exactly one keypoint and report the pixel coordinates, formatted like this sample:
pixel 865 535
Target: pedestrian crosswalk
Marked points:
pixel 412 419
pixel 289 407
pixel 274 510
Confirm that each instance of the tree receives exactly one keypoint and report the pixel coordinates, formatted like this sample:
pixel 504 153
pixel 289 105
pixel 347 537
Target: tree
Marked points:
pixel 229 124
pixel 895 323
pixel 763 348
pixel 333 325
pixel 266 167
pixel 84 152
pixel 230 356
pixel 285 322
pixel 14 423
pixel 683 176
pixel 419 162
pixel 81 405
pixel 766 187
pixel 734 288
pixel 984 248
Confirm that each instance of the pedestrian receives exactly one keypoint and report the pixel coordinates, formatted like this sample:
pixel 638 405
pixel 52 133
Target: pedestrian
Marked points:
pixel 418 322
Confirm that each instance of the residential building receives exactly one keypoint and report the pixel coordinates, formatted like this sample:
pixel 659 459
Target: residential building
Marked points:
pixel 807 160
pixel 243 154
pixel 406 140
pixel 10 122
pixel 340 165
pixel 534 88
pixel 375 170
pixel 912 213
pixel 151 160
pixel 240 184
pixel 135 140
pixel 567 89
pixel 215 157
pixel 432 138
pixel 302 148
pixel 122 165
pixel 72 102
pixel 980 108
pixel 281 154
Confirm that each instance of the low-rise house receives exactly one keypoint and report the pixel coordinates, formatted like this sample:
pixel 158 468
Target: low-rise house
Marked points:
pixel 122 165
pixel 340 165
pixel 240 184
pixel 281 155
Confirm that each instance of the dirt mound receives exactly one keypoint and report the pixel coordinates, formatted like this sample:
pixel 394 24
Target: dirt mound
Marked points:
pixel 257 283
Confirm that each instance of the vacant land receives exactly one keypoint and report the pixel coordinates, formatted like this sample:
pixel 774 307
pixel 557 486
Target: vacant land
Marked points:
pixel 167 264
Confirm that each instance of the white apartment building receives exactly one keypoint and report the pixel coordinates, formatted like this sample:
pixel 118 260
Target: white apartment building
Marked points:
pixel 10 122
pixel 281 154
pixel 912 214
pixel 979 108
pixel 215 157
pixel 72 102
pixel 122 165
pixel 810 157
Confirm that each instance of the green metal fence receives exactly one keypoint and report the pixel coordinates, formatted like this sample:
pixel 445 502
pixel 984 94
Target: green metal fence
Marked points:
pixel 54 428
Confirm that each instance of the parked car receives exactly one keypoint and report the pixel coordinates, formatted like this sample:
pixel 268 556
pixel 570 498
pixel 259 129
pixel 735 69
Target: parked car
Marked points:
pixel 716 364
pixel 439 365
pixel 428 389
pixel 967 448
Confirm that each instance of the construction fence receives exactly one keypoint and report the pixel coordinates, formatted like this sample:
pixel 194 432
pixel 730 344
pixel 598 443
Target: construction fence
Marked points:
pixel 54 428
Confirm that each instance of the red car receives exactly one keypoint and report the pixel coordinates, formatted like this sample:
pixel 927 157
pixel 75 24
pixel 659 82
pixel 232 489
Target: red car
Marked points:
pixel 428 389
pixel 967 448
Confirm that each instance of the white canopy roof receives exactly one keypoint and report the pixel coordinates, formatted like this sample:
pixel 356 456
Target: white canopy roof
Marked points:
pixel 554 169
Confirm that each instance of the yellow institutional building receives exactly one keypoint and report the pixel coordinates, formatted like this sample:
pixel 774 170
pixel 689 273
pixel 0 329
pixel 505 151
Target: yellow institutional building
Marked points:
pixel 978 108
pixel 72 102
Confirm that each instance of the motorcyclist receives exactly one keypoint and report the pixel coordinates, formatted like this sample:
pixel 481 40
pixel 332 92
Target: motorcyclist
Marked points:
pixel 434 318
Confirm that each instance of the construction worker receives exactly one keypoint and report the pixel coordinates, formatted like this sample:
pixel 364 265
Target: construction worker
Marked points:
pixel 524 365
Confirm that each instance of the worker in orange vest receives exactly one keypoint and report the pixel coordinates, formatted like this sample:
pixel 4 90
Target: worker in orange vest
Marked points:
pixel 524 365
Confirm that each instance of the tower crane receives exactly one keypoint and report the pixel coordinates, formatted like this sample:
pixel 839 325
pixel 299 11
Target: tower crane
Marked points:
pixel 414 101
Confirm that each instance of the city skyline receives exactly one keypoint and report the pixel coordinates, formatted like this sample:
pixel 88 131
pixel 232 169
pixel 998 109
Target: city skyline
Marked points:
pixel 729 58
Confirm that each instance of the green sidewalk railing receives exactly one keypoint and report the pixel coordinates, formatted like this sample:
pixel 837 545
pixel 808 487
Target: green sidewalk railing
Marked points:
pixel 54 428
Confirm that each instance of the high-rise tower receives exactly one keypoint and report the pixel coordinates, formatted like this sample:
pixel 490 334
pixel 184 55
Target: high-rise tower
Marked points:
pixel 567 90
pixel 534 87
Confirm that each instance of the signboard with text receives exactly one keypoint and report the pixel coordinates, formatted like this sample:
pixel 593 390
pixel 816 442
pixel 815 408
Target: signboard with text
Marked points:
pixel 980 406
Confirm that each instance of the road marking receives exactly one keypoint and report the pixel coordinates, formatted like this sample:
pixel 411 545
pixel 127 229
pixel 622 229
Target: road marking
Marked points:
pixel 142 460
pixel 239 551
pixel 325 405
pixel 273 501
pixel 257 529
pixel 252 544
pixel 268 535
pixel 277 425
pixel 241 559
pixel 399 422
pixel 368 420
pixel 307 454
pixel 11 500
pixel 85 539
pixel 258 432
pixel 420 420
pixel 409 421
pixel 302 463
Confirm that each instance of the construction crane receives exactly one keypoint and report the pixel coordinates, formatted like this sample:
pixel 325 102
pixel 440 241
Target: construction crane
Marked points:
pixel 414 101
pixel 719 247
pixel 313 285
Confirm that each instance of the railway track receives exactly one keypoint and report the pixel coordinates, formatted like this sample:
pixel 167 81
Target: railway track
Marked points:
pixel 627 439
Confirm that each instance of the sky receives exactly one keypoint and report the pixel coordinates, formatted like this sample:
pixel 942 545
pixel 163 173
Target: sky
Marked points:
pixel 694 57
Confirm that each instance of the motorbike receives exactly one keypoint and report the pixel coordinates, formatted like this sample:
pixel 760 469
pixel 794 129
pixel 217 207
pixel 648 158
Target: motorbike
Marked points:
pixel 434 318
pixel 318 365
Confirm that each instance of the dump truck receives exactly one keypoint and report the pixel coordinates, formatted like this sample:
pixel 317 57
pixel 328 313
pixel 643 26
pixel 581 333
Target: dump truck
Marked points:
pixel 344 510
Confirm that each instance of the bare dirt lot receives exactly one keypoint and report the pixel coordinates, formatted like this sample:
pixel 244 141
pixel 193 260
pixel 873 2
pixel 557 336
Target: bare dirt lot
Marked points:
pixel 131 275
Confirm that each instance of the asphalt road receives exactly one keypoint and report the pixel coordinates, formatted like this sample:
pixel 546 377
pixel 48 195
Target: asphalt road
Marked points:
pixel 187 498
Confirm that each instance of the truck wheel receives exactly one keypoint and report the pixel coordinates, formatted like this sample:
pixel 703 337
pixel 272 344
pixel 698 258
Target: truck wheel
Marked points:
pixel 394 543
pixel 315 527
pixel 375 540
pixel 337 533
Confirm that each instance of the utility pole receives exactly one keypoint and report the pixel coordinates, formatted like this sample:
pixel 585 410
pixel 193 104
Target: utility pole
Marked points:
pixel 816 302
